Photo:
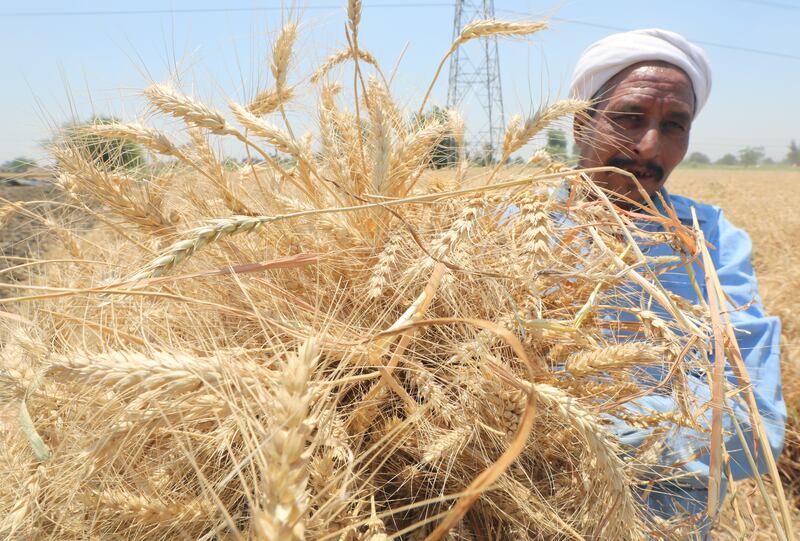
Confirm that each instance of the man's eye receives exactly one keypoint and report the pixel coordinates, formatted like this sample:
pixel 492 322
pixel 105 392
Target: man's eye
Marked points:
pixel 674 126
pixel 627 119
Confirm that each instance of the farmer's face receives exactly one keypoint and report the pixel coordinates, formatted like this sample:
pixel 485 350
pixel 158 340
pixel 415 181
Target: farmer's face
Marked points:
pixel 641 125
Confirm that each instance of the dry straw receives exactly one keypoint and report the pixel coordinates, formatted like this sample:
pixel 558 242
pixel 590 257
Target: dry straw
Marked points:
pixel 399 353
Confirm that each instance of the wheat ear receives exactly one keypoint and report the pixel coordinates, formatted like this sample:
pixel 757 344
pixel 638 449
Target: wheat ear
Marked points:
pixel 273 135
pixel 616 356
pixel 353 16
pixel 215 172
pixel 282 54
pixel 270 100
pixel 148 137
pixel 479 29
pixel 198 239
pixel 493 27
pixel 518 136
pixel 341 56
pixel 194 113
pixel 625 522
pixel 381 140
pixel 122 371
pixel 284 463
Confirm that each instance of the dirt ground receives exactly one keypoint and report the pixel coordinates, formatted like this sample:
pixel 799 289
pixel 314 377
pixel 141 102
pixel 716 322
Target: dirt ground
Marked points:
pixel 20 236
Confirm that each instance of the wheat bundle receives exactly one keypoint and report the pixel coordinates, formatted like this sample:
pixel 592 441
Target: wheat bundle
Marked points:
pixel 341 344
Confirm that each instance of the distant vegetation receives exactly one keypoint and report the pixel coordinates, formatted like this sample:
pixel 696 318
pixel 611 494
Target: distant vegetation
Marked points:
pixel 18 165
pixel 445 153
pixel 557 144
pixel 110 153
pixel 746 157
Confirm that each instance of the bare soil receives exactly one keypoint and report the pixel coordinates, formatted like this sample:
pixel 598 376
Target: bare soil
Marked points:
pixel 22 237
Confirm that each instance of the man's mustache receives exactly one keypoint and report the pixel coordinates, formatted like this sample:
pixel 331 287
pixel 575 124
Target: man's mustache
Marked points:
pixel 652 169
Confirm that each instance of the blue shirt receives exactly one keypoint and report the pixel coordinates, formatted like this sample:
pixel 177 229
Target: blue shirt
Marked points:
pixel 758 338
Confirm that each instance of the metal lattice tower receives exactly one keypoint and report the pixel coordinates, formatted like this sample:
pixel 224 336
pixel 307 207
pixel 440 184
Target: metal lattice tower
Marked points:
pixel 474 86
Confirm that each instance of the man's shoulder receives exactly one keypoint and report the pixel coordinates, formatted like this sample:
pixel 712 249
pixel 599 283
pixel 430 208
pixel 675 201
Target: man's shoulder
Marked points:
pixel 683 208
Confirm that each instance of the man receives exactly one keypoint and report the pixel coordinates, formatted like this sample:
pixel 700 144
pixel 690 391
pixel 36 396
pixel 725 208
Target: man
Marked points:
pixel 648 86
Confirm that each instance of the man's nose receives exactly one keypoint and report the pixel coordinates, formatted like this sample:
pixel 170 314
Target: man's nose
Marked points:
pixel 646 147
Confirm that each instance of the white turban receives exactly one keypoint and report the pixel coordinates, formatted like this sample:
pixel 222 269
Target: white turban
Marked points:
pixel 607 57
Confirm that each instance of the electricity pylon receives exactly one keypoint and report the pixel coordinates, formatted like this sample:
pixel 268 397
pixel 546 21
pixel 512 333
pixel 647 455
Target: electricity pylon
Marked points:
pixel 474 87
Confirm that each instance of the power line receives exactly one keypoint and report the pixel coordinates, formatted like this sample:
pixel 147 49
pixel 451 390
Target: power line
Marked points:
pixel 698 41
pixel 769 3
pixel 182 11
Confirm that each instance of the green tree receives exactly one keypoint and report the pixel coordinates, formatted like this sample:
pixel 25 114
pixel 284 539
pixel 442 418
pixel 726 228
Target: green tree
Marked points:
pixel 445 153
pixel 556 144
pixel 18 165
pixel 109 153
pixel 728 159
pixel 698 158
pixel 793 157
pixel 576 152
pixel 484 157
pixel 751 156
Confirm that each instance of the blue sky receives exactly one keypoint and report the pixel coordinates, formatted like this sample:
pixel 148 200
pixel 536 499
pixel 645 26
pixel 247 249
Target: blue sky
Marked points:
pixel 58 68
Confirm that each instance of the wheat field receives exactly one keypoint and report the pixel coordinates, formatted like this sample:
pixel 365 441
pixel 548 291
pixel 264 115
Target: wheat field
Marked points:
pixel 763 202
